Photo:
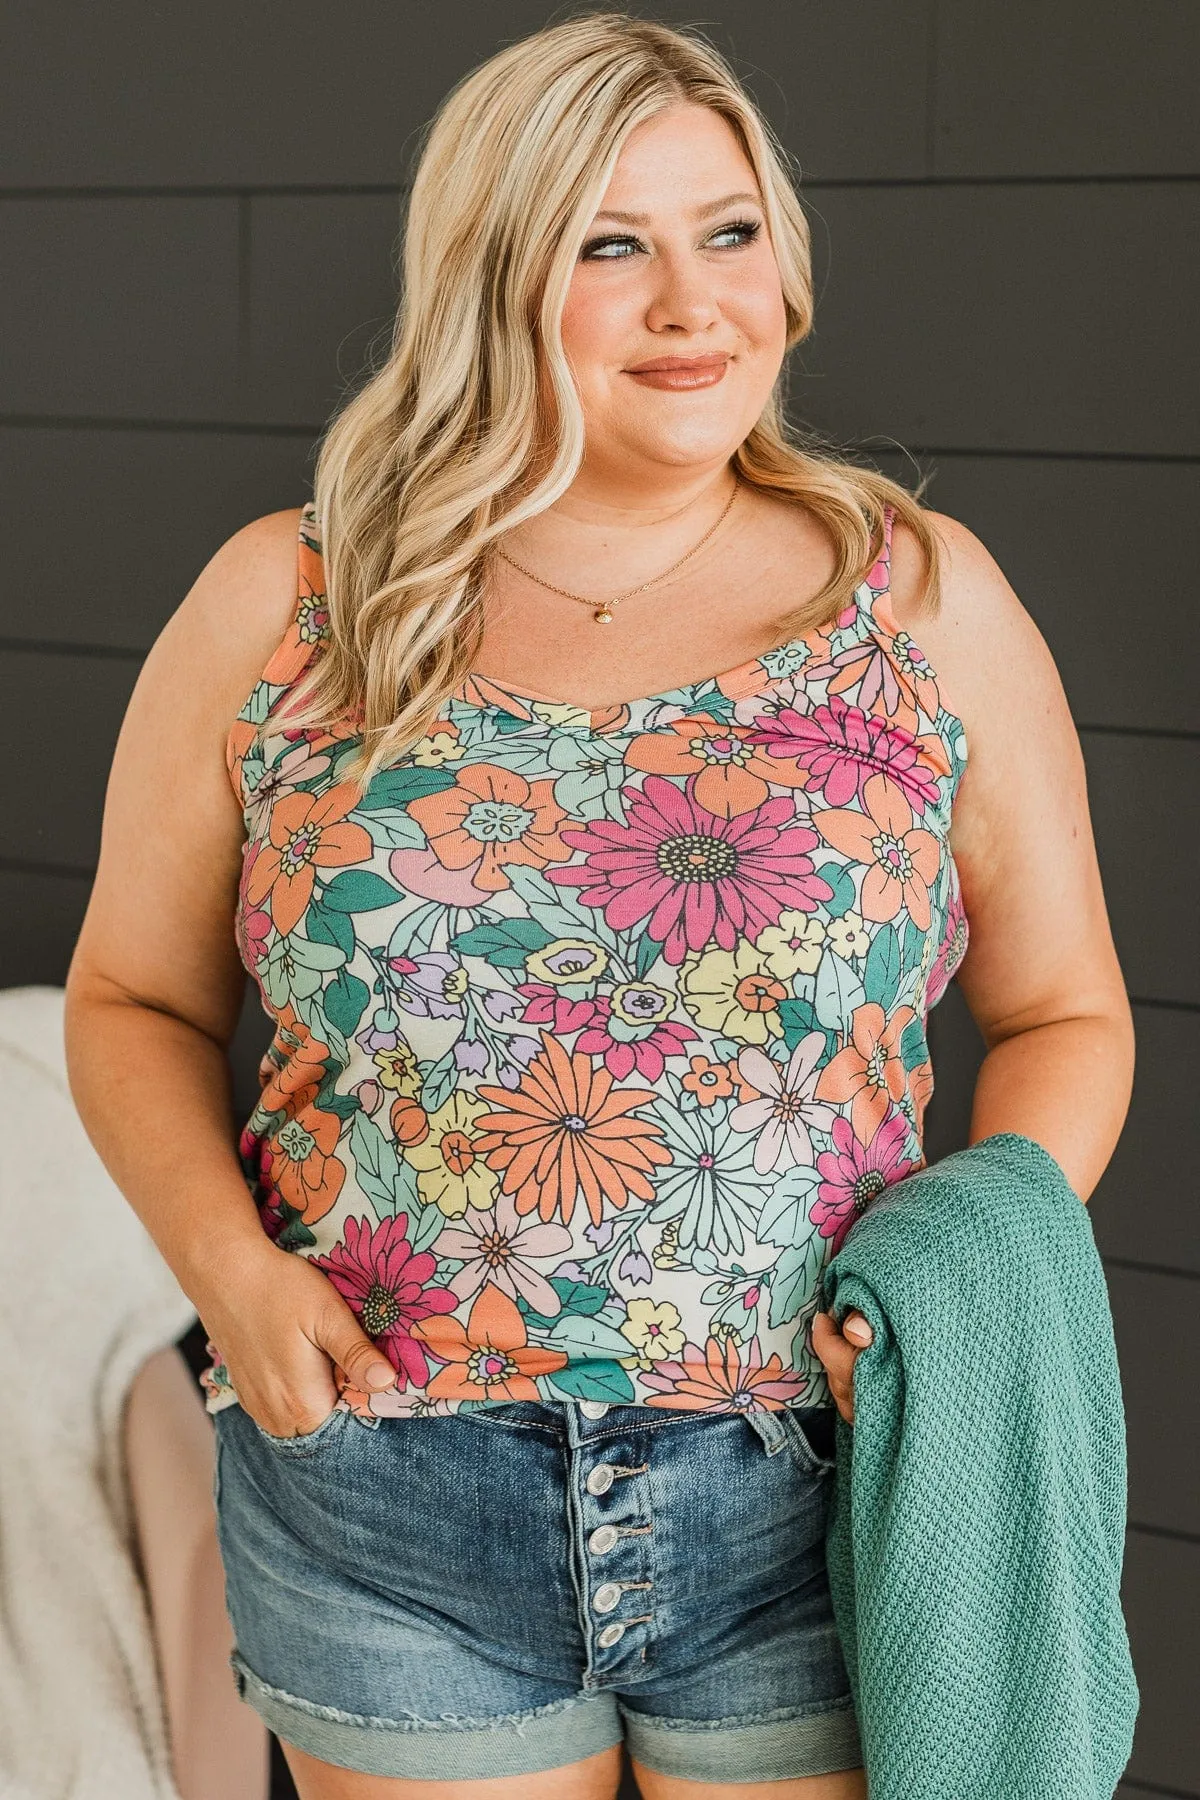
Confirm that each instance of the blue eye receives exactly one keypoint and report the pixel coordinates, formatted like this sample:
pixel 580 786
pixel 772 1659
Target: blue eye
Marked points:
pixel 748 230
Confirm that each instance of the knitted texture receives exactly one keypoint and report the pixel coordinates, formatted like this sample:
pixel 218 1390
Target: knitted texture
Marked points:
pixel 977 1526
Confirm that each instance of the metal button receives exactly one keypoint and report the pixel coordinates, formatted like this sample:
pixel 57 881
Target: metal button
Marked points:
pixel 593 1409
pixel 612 1634
pixel 600 1479
pixel 603 1538
pixel 606 1597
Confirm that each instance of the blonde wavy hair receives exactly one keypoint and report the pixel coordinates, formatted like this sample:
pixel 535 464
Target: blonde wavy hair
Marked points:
pixel 448 445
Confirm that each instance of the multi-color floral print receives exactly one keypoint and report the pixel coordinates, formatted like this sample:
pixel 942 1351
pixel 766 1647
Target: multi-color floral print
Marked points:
pixel 596 1028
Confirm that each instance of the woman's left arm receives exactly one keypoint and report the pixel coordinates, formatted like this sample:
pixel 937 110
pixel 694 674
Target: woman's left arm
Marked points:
pixel 1040 975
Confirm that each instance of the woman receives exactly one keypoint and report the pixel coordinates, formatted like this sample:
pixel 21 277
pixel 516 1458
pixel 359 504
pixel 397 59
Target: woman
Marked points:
pixel 599 980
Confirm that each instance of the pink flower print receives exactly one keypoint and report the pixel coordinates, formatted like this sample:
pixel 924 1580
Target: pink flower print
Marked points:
pixel 841 747
pixel 633 1031
pixel 545 1005
pixel 854 1175
pixel 376 1271
pixel 901 860
pixel 785 1105
pixel 692 875
pixel 496 1244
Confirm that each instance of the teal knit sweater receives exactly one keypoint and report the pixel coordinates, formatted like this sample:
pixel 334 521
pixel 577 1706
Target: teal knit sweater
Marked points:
pixel 977 1523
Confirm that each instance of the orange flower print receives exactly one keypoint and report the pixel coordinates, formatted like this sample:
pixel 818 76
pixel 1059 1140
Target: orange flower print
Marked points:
pixel 868 1072
pixel 720 1379
pixel 730 775
pixel 303 1169
pixel 709 1081
pixel 489 1359
pixel 566 1130
pixel 491 817
pixel 307 832
pixel 901 858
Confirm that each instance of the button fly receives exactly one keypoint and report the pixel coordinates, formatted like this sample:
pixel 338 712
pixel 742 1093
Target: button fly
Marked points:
pixel 606 1597
pixel 603 1539
pixel 600 1479
pixel 612 1634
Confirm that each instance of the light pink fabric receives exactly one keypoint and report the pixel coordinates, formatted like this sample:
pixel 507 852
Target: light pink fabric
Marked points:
pixel 219 1745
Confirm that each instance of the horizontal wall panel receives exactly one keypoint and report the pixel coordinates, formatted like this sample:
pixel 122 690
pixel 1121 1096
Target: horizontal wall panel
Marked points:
pixel 42 914
pixel 119 308
pixel 1142 800
pixel 1156 1321
pixel 105 531
pixel 1100 554
pixel 1146 1206
pixel 1161 1597
pixel 1048 317
pixel 1083 87
pixel 59 719
pixel 314 93
pixel 322 293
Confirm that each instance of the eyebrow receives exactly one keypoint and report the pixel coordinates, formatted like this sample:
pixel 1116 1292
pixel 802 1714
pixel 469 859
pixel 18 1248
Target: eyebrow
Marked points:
pixel 701 212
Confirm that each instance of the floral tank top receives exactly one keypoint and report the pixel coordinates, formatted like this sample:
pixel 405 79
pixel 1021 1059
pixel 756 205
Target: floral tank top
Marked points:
pixel 596 1029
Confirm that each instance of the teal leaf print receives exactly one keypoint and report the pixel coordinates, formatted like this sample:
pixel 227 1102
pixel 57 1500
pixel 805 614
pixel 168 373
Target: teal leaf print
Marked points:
pixel 576 1296
pixel 359 890
pixel 913 943
pixel 505 943
pixel 394 830
pixel 430 1221
pixel 439 1082
pixel 838 991
pixel 325 927
pixel 594 1381
pixel 396 787
pixel 386 1180
pixel 648 952
pixel 798 1019
pixel 541 901
pixel 881 976
pixel 784 1219
pixel 295 1234
pixel 841 879
pixel 794 1278
pixel 584 1338
pixel 914 1045
pixel 345 1001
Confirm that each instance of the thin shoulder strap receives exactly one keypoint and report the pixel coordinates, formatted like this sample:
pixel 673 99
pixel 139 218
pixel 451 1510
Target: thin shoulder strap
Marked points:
pixel 309 624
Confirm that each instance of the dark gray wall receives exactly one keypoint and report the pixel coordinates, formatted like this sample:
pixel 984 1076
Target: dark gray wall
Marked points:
pixel 197 223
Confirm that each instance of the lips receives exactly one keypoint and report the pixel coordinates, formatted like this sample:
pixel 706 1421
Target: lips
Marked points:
pixel 691 364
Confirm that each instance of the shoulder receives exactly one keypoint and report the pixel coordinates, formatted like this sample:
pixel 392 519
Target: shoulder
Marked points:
pixel 994 667
pixel 238 609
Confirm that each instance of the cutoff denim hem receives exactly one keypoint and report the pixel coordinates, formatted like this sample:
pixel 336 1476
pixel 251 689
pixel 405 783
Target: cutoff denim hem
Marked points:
pixel 778 1747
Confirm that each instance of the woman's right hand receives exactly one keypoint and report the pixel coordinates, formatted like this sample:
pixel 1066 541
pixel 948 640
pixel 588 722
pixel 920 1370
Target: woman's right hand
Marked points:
pixel 281 1326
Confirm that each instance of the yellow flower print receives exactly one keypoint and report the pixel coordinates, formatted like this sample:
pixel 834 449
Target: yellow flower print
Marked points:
pixel 398 1071
pixel 848 936
pixel 438 748
pixel 452 1174
pixel 793 946
pixel 567 960
pixel 733 992
pixel 655 1331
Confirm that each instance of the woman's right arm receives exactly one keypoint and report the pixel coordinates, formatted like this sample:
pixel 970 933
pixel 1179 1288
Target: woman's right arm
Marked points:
pixel 154 993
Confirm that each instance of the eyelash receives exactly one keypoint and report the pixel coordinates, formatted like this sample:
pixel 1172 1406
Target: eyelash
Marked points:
pixel 751 227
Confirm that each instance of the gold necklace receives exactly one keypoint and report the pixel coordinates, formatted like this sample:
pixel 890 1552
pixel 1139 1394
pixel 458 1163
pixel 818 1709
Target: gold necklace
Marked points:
pixel 603 614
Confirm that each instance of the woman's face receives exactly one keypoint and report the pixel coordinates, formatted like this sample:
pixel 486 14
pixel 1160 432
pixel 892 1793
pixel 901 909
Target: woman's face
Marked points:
pixel 692 275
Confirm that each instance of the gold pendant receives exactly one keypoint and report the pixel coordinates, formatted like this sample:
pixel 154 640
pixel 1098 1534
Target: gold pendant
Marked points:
pixel 602 616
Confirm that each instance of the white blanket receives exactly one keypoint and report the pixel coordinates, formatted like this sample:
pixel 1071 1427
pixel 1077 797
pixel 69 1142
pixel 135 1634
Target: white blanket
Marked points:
pixel 85 1298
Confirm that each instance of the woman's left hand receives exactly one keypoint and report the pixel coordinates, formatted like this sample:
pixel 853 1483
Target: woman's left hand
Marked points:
pixel 837 1351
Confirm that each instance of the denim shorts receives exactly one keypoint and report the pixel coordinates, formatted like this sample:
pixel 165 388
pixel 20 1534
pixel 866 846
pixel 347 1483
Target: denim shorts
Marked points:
pixel 514 1588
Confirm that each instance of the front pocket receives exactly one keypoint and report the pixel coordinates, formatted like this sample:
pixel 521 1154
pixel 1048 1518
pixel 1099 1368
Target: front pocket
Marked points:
pixel 811 1433
pixel 305 1441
